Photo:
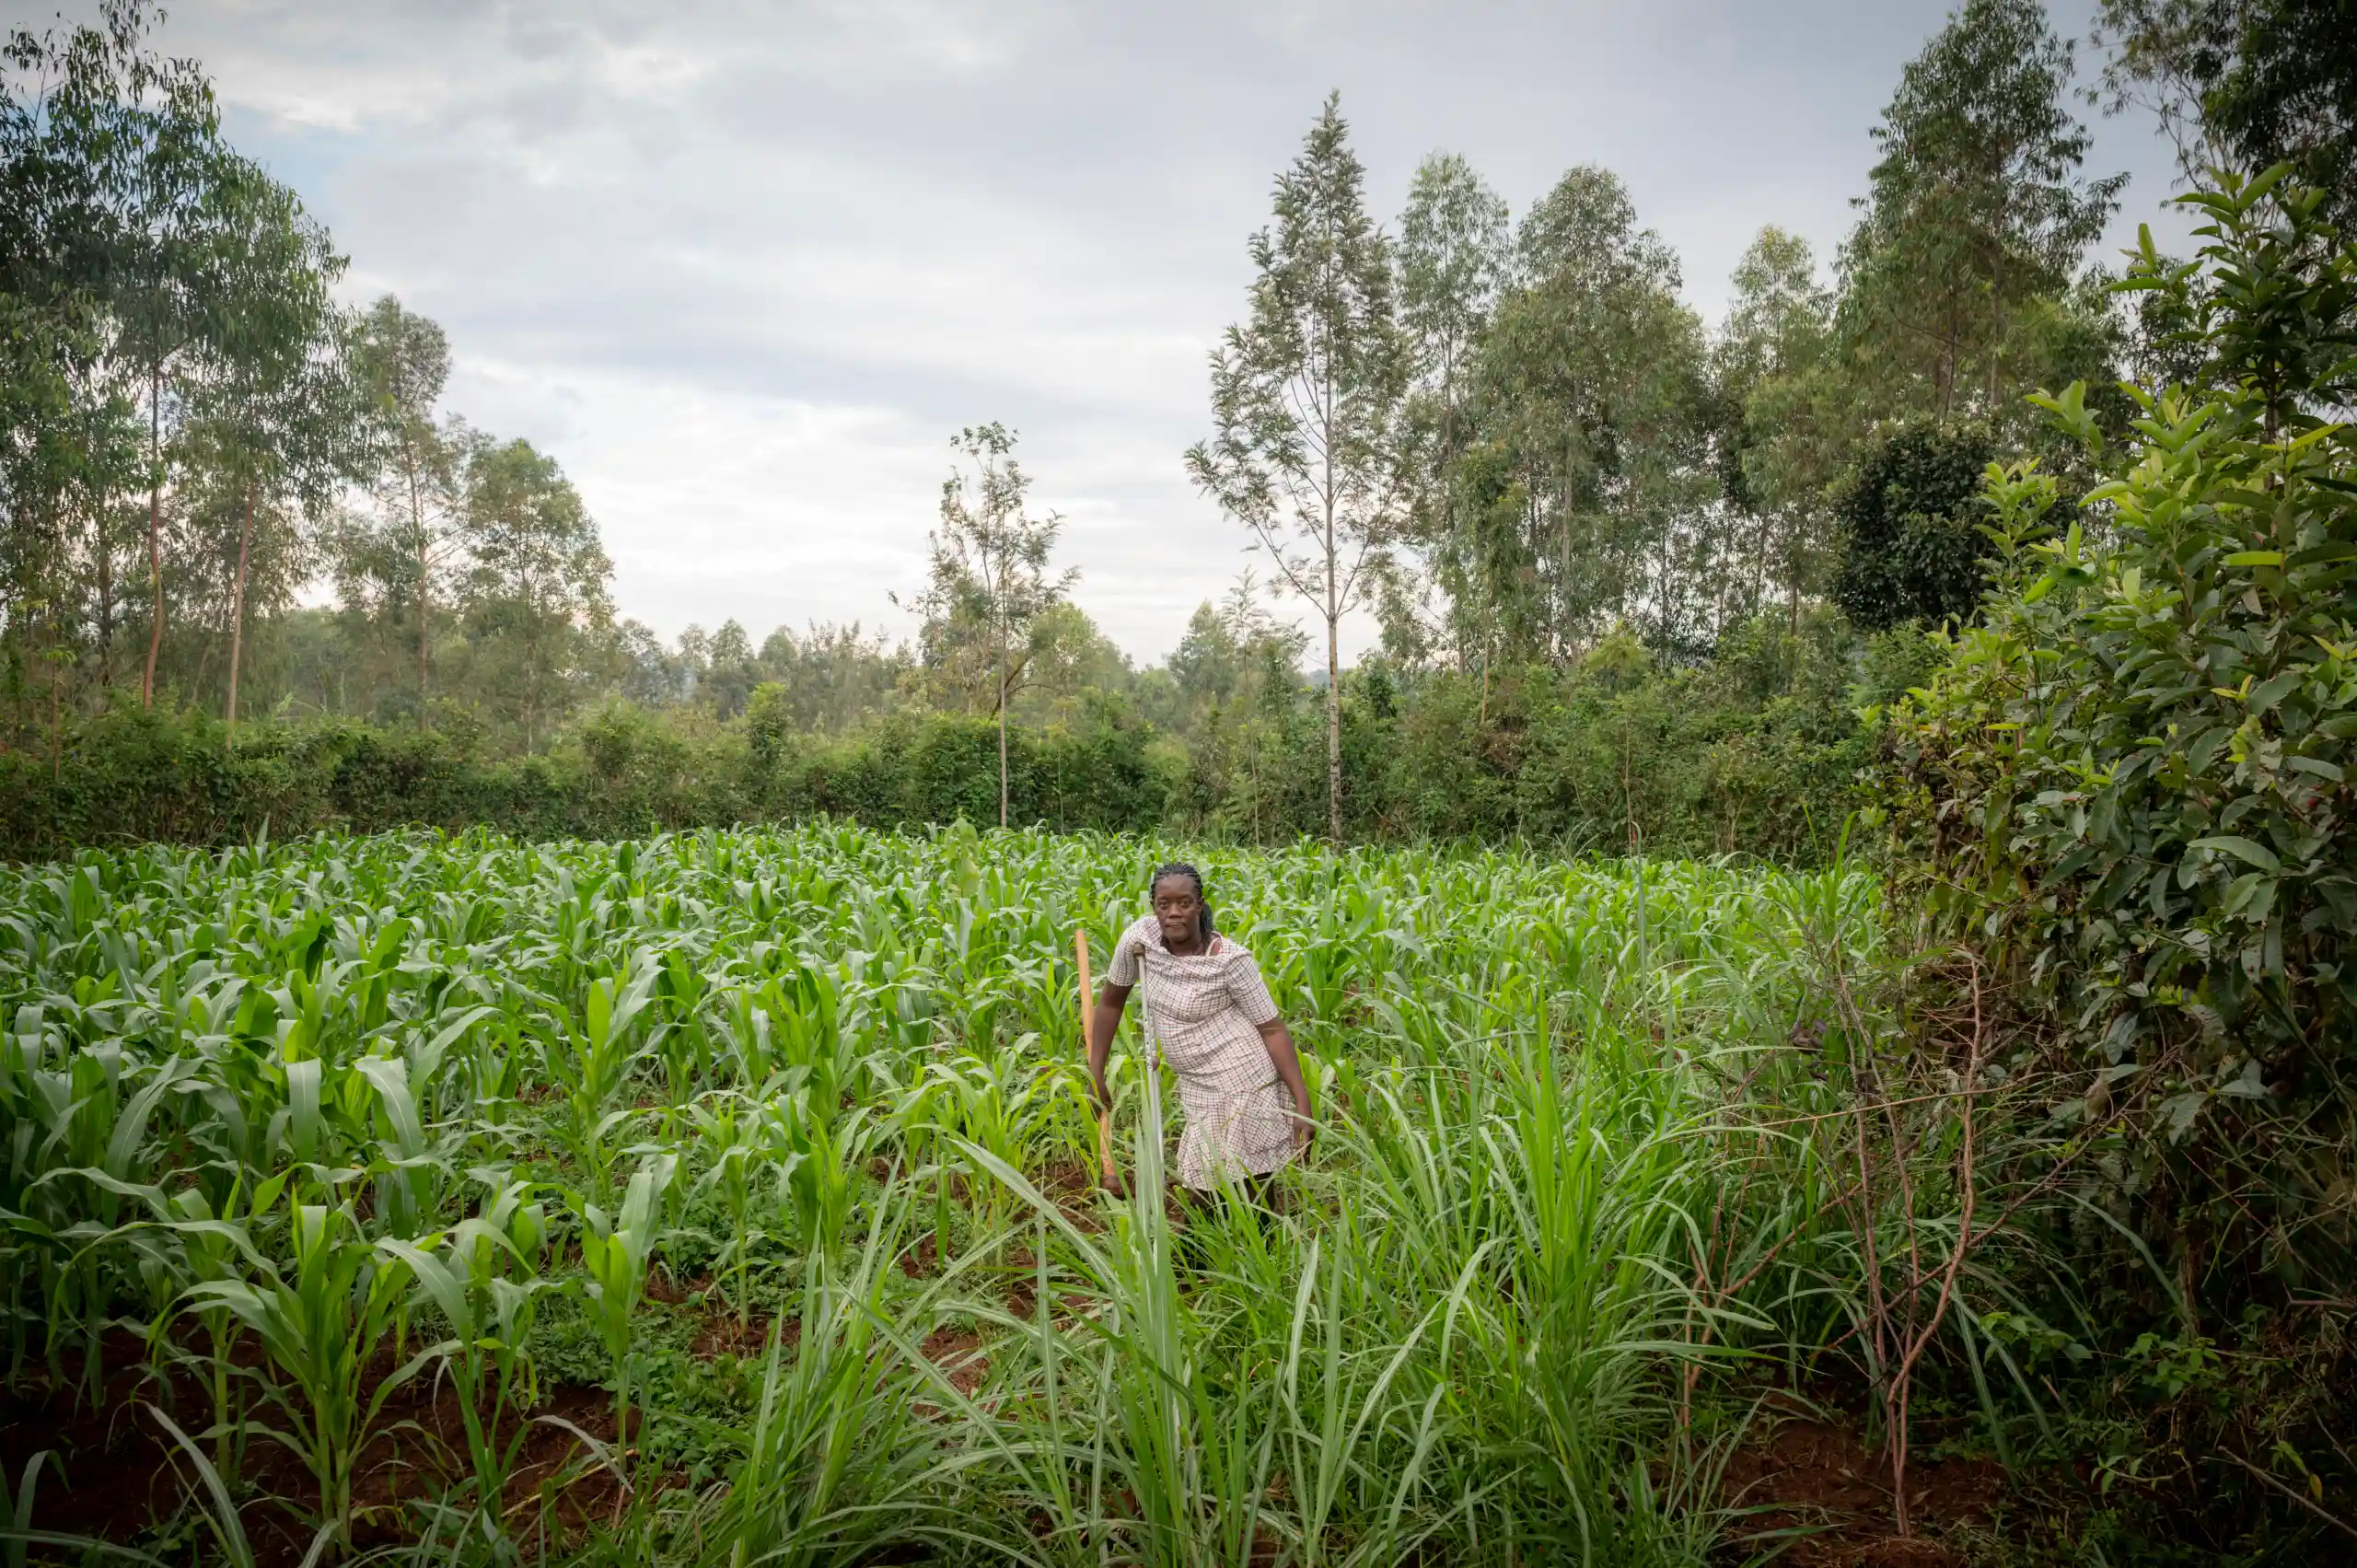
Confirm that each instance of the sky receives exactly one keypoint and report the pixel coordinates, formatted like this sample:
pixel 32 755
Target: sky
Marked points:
pixel 745 269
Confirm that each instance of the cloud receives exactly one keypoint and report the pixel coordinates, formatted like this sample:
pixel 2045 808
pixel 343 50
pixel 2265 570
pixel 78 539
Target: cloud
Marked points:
pixel 744 268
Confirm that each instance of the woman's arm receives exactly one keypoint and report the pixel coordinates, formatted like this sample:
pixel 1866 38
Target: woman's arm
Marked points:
pixel 1288 1064
pixel 1103 1021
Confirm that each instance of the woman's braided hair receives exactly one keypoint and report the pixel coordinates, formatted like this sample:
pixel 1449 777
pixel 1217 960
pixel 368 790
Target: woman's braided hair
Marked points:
pixel 1202 905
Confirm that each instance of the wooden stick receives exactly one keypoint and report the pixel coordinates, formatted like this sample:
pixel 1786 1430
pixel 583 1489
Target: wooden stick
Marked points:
pixel 1104 1122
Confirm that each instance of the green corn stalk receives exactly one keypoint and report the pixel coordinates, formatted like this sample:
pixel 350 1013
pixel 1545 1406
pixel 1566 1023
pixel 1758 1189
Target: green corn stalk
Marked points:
pixel 466 1274
pixel 1456 1346
pixel 321 1328
pixel 616 1252
pixel 812 1164
pixel 601 1056
pixel 727 1141
pixel 215 1250
pixel 686 1036
pixel 921 1121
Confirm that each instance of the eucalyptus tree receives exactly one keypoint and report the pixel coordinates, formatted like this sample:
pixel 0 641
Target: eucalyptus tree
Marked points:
pixel 1073 665
pixel 989 586
pixel 1454 258
pixel 270 404
pixel 1307 400
pixel 1590 391
pixel 176 290
pixel 831 675
pixel 1769 370
pixel 730 671
pixel 536 594
pixel 2242 84
pixel 1977 217
pixel 106 154
pixel 395 562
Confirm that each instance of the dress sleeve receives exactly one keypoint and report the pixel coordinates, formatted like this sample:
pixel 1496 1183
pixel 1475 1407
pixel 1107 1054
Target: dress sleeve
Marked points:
pixel 1123 970
pixel 1247 990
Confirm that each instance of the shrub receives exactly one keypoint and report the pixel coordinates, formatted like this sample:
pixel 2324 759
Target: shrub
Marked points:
pixel 1910 548
pixel 2131 782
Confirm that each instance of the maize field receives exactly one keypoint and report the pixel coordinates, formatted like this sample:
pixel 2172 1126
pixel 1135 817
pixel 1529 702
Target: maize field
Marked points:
pixel 729 1198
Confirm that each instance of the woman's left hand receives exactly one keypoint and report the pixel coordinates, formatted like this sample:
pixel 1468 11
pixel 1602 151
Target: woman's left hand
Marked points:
pixel 1304 1128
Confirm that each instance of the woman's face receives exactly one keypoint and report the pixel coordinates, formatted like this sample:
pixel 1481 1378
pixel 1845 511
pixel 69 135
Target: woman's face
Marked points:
pixel 1177 909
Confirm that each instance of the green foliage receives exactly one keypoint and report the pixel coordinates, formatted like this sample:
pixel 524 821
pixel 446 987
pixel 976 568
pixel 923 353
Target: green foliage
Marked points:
pixel 2131 780
pixel 1462 1337
pixel 2244 83
pixel 1583 483
pixel 1755 752
pixel 1976 216
pixel 1910 517
pixel 988 593
pixel 616 1252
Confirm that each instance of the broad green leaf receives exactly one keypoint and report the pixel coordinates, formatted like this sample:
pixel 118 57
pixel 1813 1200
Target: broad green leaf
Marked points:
pixel 2241 849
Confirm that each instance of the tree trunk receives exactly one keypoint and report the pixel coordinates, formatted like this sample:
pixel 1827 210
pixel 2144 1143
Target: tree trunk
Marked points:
pixel 424 585
pixel 237 607
pixel 1001 740
pixel 1996 338
pixel 106 596
pixel 155 533
pixel 1563 583
pixel 1793 575
pixel 1482 721
pixel 1333 726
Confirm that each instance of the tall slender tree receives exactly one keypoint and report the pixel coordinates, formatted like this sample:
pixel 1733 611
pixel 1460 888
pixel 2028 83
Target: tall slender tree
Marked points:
pixel 1305 400
pixel 109 158
pixel 272 400
pixel 1590 385
pixel 1766 371
pixel 990 584
pixel 537 589
pixel 401 362
pixel 1977 209
pixel 1453 257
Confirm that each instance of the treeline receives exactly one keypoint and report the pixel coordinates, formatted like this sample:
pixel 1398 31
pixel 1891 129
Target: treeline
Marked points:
pixel 1758 752
pixel 1643 583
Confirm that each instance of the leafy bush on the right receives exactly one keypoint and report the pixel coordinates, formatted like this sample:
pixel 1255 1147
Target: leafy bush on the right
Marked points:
pixel 2132 781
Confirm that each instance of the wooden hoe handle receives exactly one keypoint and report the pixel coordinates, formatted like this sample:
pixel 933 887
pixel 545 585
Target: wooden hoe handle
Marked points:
pixel 1104 1124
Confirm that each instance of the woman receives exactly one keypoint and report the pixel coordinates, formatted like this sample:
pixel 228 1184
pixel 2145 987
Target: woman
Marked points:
pixel 1210 1017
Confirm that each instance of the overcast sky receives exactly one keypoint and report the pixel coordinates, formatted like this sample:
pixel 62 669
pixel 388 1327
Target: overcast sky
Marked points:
pixel 744 269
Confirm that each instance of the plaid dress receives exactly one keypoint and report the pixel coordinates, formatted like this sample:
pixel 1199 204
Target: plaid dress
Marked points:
pixel 1203 1013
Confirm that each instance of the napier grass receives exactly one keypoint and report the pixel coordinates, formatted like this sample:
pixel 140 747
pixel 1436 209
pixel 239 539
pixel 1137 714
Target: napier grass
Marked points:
pixel 727 1198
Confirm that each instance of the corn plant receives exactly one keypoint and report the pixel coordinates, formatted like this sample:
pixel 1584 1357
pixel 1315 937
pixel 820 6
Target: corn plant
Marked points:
pixel 600 1056
pixel 320 1324
pixel 219 1249
pixel 812 1163
pixel 616 1253
pixel 1559 1183
pixel 726 1138
pixel 480 1276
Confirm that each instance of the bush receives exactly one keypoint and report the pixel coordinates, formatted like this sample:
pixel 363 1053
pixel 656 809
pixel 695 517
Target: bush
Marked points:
pixel 1909 549
pixel 2131 784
